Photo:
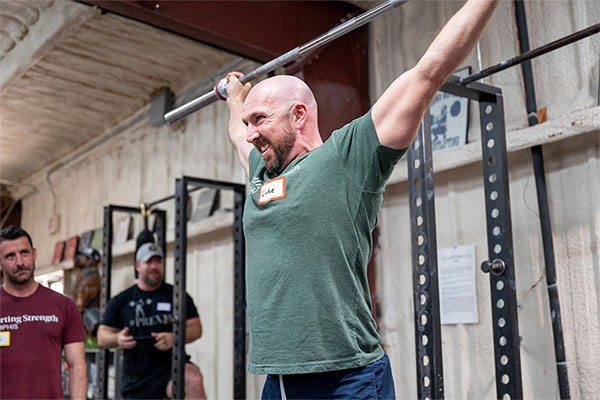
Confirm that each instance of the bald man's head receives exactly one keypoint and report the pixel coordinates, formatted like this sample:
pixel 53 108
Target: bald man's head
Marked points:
pixel 283 90
pixel 281 115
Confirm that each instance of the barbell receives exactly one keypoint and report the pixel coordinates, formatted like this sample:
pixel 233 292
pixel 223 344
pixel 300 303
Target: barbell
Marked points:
pixel 219 92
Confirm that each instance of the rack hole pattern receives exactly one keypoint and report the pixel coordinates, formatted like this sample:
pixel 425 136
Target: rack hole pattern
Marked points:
pixel 428 336
pixel 505 326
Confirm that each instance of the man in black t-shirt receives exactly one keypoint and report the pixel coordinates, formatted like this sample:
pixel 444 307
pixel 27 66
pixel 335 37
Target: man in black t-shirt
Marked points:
pixel 139 320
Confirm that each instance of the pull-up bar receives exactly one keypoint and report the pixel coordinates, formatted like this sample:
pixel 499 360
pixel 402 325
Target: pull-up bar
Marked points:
pixel 219 91
pixel 172 196
pixel 592 30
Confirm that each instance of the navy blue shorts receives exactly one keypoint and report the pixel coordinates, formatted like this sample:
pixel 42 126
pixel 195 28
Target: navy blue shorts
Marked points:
pixel 373 381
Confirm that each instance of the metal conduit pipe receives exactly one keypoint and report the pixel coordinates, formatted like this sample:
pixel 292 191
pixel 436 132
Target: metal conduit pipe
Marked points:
pixel 528 55
pixel 544 210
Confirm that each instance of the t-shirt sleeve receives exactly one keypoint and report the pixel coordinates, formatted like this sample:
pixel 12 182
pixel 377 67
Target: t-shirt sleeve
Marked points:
pixel 74 330
pixel 253 160
pixel 191 311
pixel 112 314
pixel 367 161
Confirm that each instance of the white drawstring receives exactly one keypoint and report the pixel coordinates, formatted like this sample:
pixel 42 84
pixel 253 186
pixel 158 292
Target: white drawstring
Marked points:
pixel 281 388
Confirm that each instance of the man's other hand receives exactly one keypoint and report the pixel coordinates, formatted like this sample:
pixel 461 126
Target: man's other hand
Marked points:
pixel 164 340
pixel 125 340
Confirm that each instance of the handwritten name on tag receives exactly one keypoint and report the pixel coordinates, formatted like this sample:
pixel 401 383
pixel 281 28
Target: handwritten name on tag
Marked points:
pixel 161 306
pixel 273 189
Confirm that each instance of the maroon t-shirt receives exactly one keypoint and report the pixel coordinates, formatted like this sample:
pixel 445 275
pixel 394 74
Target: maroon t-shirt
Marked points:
pixel 39 326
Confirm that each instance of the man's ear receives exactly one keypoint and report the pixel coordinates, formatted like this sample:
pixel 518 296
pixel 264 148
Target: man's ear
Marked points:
pixel 136 264
pixel 299 114
pixel 34 254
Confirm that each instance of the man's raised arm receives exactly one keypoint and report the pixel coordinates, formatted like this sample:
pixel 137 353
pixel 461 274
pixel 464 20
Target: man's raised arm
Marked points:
pixel 398 112
pixel 237 130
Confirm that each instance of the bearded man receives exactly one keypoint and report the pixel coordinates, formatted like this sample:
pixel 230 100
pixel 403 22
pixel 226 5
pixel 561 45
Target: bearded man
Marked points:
pixel 36 324
pixel 140 320
pixel 311 210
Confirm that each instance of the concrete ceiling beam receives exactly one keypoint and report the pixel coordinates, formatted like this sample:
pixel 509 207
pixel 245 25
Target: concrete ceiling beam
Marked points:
pixel 34 32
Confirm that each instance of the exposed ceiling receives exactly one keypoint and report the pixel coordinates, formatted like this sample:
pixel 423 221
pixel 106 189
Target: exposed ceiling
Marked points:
pixel 68 72
pixel 261 30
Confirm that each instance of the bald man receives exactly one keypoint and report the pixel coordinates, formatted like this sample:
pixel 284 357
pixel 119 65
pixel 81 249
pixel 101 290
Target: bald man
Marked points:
pixel 310 213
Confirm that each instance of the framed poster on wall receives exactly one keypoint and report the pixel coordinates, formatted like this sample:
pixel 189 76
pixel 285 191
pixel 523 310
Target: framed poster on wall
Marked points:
pixel 449 117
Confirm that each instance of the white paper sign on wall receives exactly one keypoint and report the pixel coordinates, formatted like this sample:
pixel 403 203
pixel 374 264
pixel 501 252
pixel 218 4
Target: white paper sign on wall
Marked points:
pixel 458 292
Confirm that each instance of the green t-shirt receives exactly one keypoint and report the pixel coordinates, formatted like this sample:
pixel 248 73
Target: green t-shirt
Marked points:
pixel 308 239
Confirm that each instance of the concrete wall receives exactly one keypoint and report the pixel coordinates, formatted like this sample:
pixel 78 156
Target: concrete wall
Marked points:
pixel 141 164
pixel 468 349
pixel 138 165
pixel 566 81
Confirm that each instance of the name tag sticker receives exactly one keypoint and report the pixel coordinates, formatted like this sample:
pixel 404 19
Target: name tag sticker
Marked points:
pixel 162 306
pixel 271 190
pixel 4 338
